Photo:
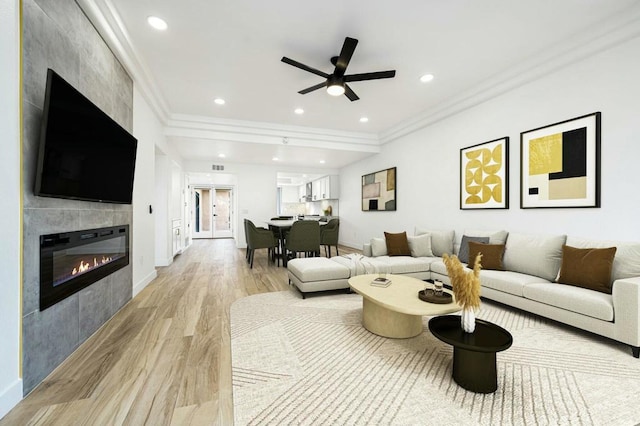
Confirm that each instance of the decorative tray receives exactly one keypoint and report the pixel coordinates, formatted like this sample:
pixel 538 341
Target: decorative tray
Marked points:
pixel 428 295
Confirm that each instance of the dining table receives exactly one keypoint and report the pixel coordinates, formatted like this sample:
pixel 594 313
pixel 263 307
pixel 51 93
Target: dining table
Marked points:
pixel 281 226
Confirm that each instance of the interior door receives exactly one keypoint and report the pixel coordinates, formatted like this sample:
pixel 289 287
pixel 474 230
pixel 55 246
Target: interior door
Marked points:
pixel 202 213
pixel 223 209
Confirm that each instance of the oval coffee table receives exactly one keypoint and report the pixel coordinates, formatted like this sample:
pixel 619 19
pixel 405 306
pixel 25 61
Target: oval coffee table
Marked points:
pixel 474 354
pixel 396 311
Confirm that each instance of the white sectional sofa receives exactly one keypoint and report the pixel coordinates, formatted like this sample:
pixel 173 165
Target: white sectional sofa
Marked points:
pixel 531 266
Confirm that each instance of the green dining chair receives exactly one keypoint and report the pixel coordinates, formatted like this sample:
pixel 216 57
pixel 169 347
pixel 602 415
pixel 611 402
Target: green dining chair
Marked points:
pixel 329 236
pixel 259 238
pixel 304 237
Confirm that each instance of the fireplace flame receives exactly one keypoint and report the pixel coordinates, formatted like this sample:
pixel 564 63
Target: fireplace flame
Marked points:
pixel 84 266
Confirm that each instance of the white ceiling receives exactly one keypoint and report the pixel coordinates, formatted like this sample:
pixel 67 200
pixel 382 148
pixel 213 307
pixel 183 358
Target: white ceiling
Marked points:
pixel 232 49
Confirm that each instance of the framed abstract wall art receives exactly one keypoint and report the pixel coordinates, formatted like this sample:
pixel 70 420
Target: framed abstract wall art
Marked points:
pixel 484 175
pixel 379 191
pixel 560 164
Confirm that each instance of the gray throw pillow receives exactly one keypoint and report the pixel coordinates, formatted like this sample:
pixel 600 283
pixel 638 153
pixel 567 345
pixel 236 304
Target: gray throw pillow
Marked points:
pixel 463 254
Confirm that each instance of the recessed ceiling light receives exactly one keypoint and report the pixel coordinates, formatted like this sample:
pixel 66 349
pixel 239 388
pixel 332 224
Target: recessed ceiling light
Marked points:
pixel 157 23
pixel 364 119
pixel 299 111
pixel 275 159
pixel 426 78
pixel 221 155
pixel 322 161
pixel 219 101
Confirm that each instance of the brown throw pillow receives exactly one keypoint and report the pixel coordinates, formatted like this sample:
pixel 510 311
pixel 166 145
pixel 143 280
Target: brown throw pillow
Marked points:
pixel 397 244
pixel 588 267
pixel 491 255
pixel 463 252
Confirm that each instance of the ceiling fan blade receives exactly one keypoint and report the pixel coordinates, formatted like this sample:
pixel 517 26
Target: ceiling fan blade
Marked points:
pixel 370 76
pixel 346 53
pixel 312 88
pixel 304 67
pixel 350 93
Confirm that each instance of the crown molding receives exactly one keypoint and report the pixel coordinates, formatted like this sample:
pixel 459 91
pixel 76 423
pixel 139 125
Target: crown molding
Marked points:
pixel 199 127
pixel 107 21
pixel 616 30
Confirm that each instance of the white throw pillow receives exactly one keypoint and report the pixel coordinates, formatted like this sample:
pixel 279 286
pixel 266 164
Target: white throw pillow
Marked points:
pixel 378 247
pixel 420 245
pixel 441 241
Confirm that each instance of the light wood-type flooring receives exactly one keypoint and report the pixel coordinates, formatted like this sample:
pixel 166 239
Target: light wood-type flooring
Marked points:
pixel 165 357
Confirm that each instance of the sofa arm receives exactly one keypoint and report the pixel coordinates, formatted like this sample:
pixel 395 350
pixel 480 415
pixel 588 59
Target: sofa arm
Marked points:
pixel 366 249
pixel 626 308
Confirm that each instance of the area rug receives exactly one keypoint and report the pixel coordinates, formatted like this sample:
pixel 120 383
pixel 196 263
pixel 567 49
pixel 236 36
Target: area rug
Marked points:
pixel 311 362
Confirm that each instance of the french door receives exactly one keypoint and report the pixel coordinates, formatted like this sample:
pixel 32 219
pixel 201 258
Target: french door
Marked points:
pixel 211 212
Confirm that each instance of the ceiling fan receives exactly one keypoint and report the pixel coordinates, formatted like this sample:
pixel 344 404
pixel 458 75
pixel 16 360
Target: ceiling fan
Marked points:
pixel 336 83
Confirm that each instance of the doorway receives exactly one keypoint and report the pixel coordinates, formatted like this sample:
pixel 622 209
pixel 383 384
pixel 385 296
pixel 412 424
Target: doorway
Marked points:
pixel 212 212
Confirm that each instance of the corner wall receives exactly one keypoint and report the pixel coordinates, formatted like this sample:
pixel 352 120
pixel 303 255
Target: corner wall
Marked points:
pixel 58 35
pixel 10 381
pixel 147 129
pixel 428 159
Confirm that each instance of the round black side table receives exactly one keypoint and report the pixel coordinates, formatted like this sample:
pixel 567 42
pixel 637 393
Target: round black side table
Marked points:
pixel 474 354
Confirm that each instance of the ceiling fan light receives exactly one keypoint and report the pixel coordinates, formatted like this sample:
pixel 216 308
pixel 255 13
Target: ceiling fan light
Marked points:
pixel 335 89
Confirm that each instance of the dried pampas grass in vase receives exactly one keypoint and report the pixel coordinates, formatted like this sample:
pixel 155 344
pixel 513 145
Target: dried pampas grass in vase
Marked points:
pixel 466 288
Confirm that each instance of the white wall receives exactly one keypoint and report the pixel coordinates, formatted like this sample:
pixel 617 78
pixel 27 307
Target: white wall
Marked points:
pixel 158 183
pixel 427 160
pixel 162 220
pixel 147 129
pixel 10 299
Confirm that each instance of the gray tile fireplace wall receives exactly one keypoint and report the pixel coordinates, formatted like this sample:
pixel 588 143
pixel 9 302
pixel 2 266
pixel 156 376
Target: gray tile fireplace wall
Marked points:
pixel 57 35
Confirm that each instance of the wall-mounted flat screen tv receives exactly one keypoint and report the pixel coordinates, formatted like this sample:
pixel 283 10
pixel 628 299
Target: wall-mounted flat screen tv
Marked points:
pixel 84 154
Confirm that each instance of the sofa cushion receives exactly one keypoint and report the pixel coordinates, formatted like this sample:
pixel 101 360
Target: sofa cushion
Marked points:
pixel 420 245
pixel 587 267
pixel 378 247
pixel 491 255
pixel 406 264
pixel 626 263
pixel 397 244
pixel 575 299
pixel 538 255
pixel 495 237
pixel 438 267
pixel 507 281
pixel 441 241
pixel 463 253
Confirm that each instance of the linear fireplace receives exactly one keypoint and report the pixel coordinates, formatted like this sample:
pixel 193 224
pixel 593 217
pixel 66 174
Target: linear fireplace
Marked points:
pixel 71 261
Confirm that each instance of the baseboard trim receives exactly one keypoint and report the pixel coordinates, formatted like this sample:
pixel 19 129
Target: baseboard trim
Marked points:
pixel 137 288
pixel 10 397
pixel 164 262
pixel 354 246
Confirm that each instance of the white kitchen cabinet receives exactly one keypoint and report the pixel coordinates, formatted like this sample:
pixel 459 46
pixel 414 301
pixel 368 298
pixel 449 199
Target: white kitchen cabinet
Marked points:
pixel 326 188
pixel 302 193
pixel 315 190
